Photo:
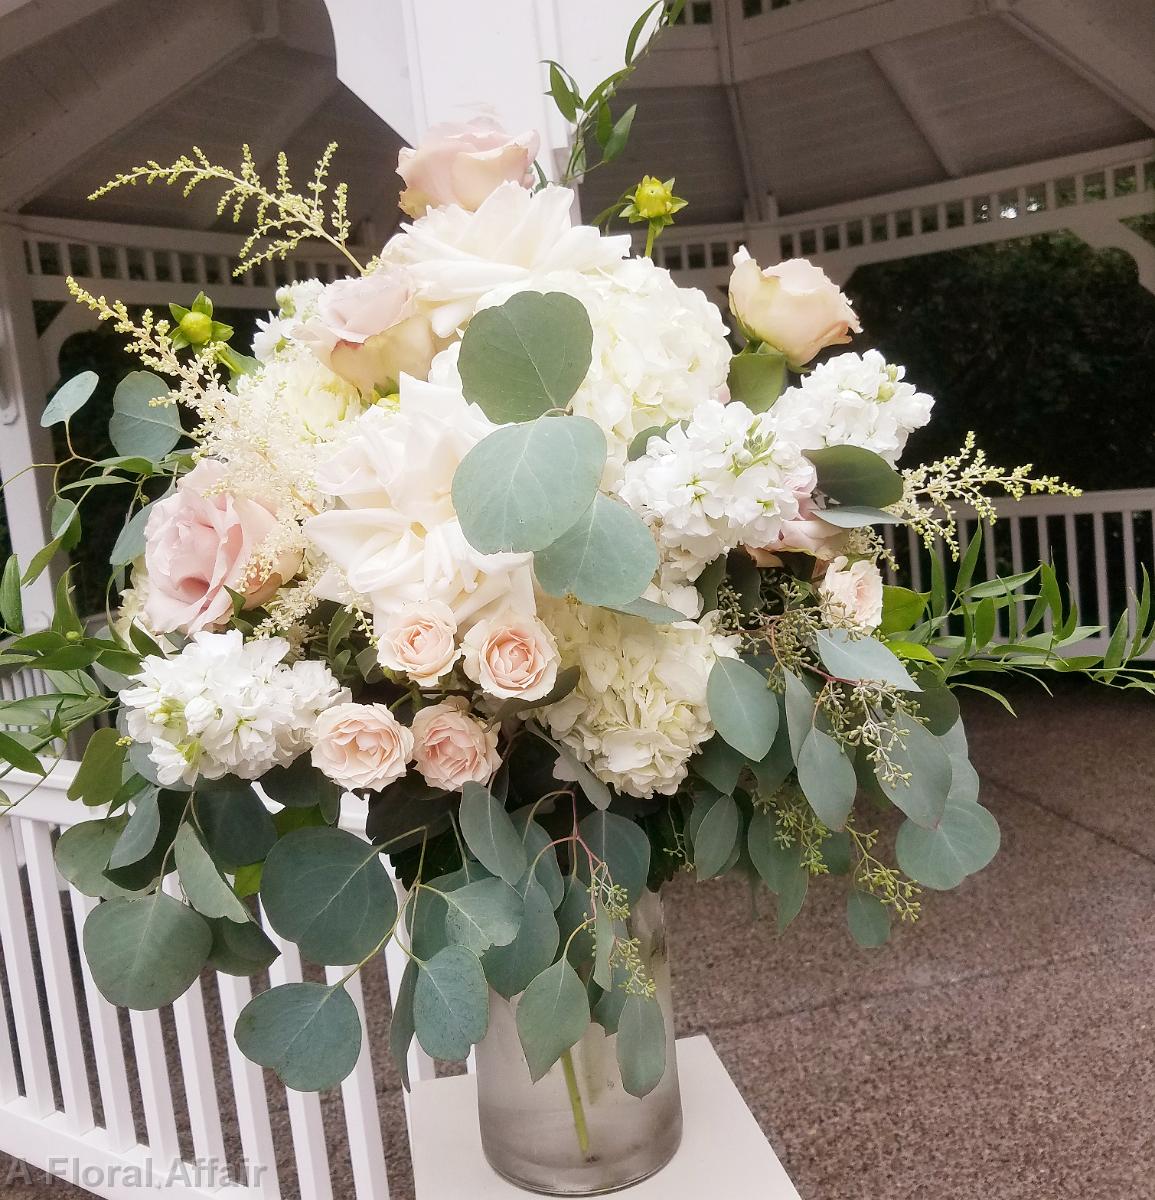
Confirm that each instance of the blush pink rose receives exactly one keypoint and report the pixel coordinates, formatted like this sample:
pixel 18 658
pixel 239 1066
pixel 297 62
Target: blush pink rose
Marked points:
pixel 853 592
pixel 361 746
pixel 451 748
pixel 511 657
pixel 367 330
pixel 198 543
pixel 463 164
pixel 419 641
pixel 793 307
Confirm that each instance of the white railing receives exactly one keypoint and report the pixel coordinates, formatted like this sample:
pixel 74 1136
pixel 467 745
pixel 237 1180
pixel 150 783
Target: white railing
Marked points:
pixel 1035 198
pixel 130 1109
pixel 142 264
pixel 1098 544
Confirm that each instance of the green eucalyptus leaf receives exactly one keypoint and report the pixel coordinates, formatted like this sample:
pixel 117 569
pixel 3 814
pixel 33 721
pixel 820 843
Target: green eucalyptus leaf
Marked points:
pixel 329 892
pixel 309 1034
pixel 487 912
pixel 451 1004
pixel 11 604
pixel 965 840
pixel 140 834
pixel 552 1016
pixel 527 356
pixel 511 968
pixel 523 486
pixel 299 785
pixel 716 834
pixel 868 919
pixel 401 1026
pixel 852 475
pixel 140 875
pixel 145 952
pixel 538 848
pixel 139 427
pixel 743 709
pixel 607 558
pixel 642 1041
pixel 923 796
pixel 69 398
pixel 862 659
pixel 240 948
pixel 719 764
pixel 855 516
pixel 826 777
pixel 780 867
pixel 757 379
pixel 656 614
pixel 129 544
pixel 622 845
pixel 237 827
pixel 490 834
pixel 82 855
pixel 204 886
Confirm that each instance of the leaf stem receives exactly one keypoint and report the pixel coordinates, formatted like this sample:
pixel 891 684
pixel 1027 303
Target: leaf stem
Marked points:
pixel 575 1102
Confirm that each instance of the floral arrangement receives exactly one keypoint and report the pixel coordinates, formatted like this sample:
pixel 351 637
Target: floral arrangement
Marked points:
pixel 495 560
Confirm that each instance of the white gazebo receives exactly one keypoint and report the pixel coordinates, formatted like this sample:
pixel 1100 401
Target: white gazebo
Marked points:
pixel 850 131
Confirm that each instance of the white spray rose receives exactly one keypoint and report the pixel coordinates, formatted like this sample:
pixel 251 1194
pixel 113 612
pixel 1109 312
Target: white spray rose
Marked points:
pixel 852 592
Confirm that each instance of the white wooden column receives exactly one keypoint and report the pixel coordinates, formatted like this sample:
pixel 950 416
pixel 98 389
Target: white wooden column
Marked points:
pixel 27 494
pixel 460 60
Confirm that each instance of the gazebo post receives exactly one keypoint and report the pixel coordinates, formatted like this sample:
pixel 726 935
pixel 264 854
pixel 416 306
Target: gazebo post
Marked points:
pixel 23 387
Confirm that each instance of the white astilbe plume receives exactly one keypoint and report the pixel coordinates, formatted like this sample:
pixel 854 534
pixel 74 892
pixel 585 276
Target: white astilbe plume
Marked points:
pixel 224 706
pixel 639 710
pixel 725 479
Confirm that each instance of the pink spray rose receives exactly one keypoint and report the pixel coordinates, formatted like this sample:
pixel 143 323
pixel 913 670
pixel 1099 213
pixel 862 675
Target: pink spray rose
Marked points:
pixel 511 657
pixel 367 330
pixel 361 745
pixel 462 164
pixel 451 748
pixel 198 543
pixel 853 591
pixel 419 641
pixel 791 306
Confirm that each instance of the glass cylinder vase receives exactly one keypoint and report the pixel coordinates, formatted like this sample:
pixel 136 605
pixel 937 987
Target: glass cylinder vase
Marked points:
pixel 577 1131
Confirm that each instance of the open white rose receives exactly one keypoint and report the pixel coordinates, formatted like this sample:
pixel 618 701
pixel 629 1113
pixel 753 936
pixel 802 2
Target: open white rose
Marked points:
pixel 418 640
pixel 791 306
pixel 451 748
pixel 361 745
pixel 511 657
pixel 367 329
pixel 853 592
pixel 462 163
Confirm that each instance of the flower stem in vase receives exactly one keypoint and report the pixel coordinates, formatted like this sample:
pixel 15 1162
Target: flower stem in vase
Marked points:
pixel 575 1103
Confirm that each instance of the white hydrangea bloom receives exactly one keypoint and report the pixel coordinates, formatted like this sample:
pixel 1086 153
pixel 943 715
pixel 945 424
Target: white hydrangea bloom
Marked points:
pixel 854 400
pixel 515 239
pixel 224 706
pixel 639 710
pixel 392 533
pixel 727 478
pixel 659 350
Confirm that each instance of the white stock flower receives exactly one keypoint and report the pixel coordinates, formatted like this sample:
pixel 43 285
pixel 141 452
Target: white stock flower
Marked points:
pixel 515 239
pixel 639 709
pixel 723 480
pixel 295 302
pixel 854 400
pixel 393 535
pixel 224 706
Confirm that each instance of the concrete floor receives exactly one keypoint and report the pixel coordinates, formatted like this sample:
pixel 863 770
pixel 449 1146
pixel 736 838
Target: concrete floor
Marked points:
pixel 1000 1049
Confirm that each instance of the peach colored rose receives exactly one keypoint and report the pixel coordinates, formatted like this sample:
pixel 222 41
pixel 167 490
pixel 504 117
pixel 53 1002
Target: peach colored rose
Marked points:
pixel 792 307
pixel 451 748
pixel 853 592
pixel 462 164
pixel 361 745
pixel 367 330
pixel 198 543
pixel 511 657
pixel 418 640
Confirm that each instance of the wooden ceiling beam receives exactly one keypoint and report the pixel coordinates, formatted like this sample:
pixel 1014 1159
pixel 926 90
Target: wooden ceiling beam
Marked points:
pixel 894 66
pixel 26 23
pixel 182 53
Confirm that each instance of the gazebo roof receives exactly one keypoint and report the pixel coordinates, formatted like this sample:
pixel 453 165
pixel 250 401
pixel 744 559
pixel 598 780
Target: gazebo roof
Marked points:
pixel 758 107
